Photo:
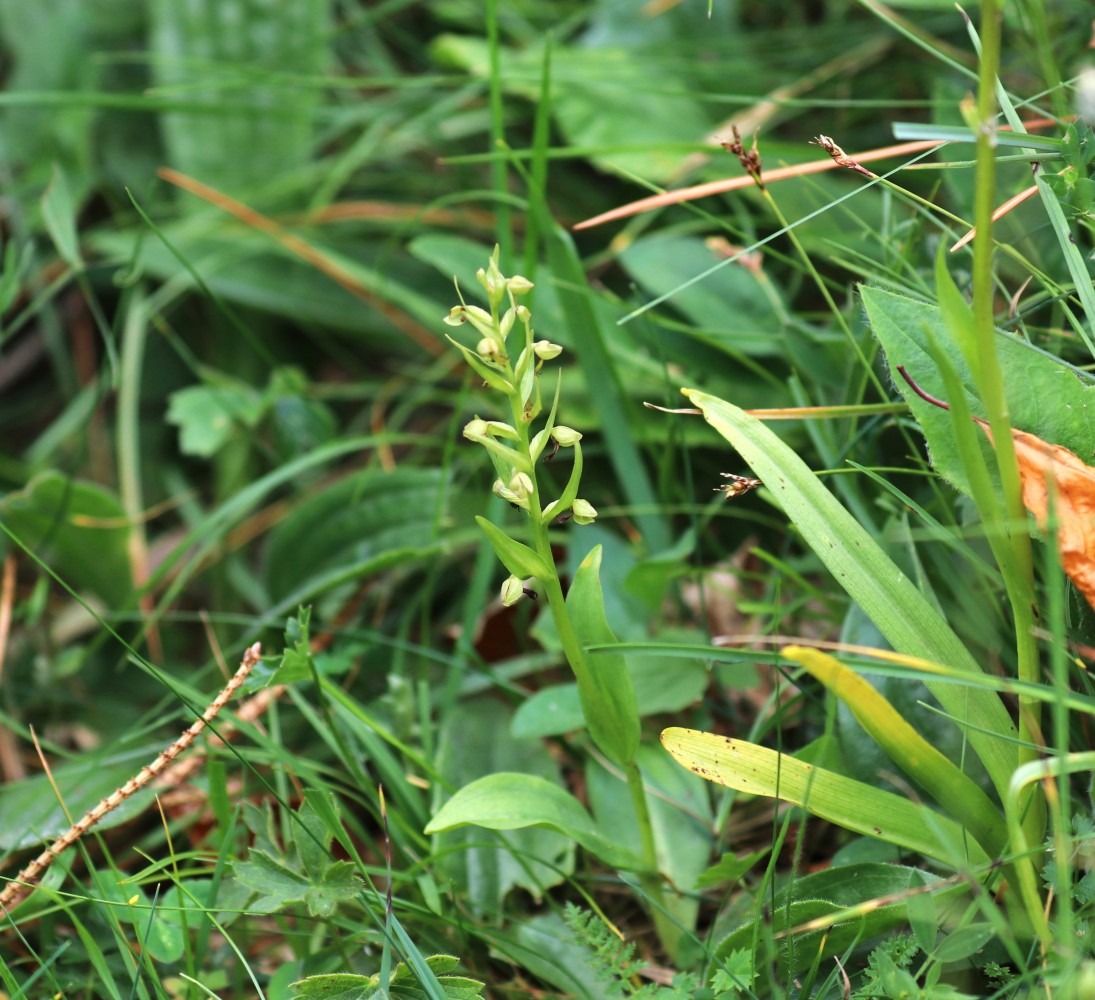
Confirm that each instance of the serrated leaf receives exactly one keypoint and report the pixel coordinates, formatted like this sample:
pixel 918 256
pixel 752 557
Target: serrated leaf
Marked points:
pixel 275 882
pixel 335 986
pixel 338 884
pixel 209 416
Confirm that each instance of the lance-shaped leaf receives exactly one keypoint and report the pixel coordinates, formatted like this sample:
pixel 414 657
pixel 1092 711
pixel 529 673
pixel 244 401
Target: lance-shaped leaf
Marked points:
pixel 510 801
pixel 604 685
pixel 567 497
pixel 517 557
pixel 889 598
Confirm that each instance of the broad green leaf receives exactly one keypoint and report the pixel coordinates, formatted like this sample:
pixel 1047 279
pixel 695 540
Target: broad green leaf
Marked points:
pixel 680 816
pixel 477 741
pixel 604 685
pixel 923 917
pixel 31 814
pixel 517 557
pixel 550 950
pixel 734 313
pixel 352 523
pixel 892 601
pixel 851 804
pixel 203 52
pixel 661 684
pixel 508 801
pixel 580 97
pixel 958 794
pixel 964 942
pixel 80 530
pixel 1031 377
pixel 275 883
pixel 854 905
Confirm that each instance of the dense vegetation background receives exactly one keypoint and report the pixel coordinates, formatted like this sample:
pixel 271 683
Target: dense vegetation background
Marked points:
pixel 231 414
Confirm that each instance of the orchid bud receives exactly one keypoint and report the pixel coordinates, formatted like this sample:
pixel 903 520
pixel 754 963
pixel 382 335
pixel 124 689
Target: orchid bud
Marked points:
pixel 519 285
pixel 566 437
pixel 546 350
pixel 509 495
pixel 584 512
pixel 475 429
pixel 521 484
pixel 487 348
pixel 513 590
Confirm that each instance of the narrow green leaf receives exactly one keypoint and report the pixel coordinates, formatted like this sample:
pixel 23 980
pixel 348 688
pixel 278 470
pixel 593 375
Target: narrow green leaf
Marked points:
pixel 892 601
pixel 509 801
pixel 604 685
pixel 484 371
pixel 518 558
pixel 851 804
pixel 59 215
pixel 923 918
pixel 566 498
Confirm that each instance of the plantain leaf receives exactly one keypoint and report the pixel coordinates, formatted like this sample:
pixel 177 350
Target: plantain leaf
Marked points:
pixel 849 906
pixel 509 801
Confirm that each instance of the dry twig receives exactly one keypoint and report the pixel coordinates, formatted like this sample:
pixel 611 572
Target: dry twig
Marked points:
pixel 19 888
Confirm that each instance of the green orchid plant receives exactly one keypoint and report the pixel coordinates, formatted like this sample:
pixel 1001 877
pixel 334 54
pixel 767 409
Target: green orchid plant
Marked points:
pixel 515 447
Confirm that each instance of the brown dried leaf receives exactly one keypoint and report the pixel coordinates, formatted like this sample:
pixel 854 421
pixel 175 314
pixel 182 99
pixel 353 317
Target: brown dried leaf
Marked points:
pixel 1073 500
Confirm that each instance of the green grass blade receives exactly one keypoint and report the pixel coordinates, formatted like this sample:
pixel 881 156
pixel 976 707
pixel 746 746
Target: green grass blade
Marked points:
pixel 623 452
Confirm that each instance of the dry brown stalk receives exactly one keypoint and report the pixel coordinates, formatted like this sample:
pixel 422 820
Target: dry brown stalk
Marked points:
pixel 18 889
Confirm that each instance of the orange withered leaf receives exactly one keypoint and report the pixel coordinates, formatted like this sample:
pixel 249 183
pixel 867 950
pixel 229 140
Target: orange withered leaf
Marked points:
pixel 1073 502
